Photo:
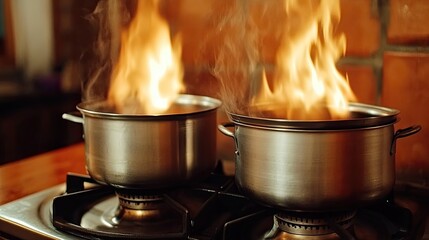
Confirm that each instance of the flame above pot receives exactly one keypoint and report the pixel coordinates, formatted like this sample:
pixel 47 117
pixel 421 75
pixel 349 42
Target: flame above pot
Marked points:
pixel 302 82
pixel 148 75
pixel 307 84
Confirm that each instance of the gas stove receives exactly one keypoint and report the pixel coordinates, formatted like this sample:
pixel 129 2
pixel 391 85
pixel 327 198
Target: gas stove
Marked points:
pixel 211 209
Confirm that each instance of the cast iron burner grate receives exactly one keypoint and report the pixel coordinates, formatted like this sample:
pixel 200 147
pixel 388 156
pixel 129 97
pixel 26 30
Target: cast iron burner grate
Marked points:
pixel 211 209
pixel 195 212
pixel 95 213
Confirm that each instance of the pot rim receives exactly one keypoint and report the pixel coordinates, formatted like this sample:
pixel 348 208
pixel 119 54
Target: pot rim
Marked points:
pixel 375 116
pixel 204 103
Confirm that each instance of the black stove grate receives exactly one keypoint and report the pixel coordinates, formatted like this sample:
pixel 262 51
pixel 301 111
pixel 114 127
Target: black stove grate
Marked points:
pixel 201 210
pixel 212 209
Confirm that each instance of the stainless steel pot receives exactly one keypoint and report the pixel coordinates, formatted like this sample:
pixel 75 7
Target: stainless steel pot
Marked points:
pixel 150 151
pixel 317 165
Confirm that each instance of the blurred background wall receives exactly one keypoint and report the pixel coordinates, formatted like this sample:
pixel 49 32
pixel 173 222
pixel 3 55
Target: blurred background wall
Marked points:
pixel 40 41
pixel 33 40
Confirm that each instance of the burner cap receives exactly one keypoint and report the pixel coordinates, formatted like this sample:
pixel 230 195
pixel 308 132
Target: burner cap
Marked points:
pixel 139 201
pixel 309 223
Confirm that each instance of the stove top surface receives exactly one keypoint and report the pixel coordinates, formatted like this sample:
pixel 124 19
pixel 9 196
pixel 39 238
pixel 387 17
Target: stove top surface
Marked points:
pixel 214 211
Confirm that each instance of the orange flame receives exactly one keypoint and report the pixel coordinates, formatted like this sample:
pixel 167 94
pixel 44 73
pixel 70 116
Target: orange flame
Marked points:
pixel 306 84
pixel 148 75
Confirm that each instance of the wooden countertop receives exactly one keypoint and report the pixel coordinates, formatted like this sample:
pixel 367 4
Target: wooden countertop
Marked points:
pixel 30 175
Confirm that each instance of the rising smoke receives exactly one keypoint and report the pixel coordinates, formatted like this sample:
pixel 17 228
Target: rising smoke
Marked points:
pixel 108 18
pixel 249 32
pixel 302 81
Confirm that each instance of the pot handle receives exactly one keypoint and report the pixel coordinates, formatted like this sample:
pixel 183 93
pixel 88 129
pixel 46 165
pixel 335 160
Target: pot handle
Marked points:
pixel 405 132
pixel 73 117
pixel 223 127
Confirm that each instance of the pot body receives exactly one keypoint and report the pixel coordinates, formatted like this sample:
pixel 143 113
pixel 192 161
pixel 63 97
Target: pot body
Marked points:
pixel 315 170
pixel 147 152
pixel 320 165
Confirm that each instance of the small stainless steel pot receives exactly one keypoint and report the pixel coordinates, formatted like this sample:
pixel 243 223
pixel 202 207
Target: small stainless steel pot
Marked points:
pixel 317 165
pixel 150 151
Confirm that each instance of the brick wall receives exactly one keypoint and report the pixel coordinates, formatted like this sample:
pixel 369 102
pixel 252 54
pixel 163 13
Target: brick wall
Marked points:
pixel 387 62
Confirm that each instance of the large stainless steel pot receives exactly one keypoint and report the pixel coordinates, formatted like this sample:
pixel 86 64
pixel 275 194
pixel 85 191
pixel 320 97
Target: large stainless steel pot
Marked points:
pixel 317 165
pixel 150 151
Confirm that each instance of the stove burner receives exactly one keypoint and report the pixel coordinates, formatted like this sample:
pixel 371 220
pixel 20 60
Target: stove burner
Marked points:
pixel 305 223
pixel 99 213
pixel 137 200
pixel 140 207
pixel 194 212
pixel 312 225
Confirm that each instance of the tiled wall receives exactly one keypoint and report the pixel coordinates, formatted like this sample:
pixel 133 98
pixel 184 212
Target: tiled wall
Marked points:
pixel 387 58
